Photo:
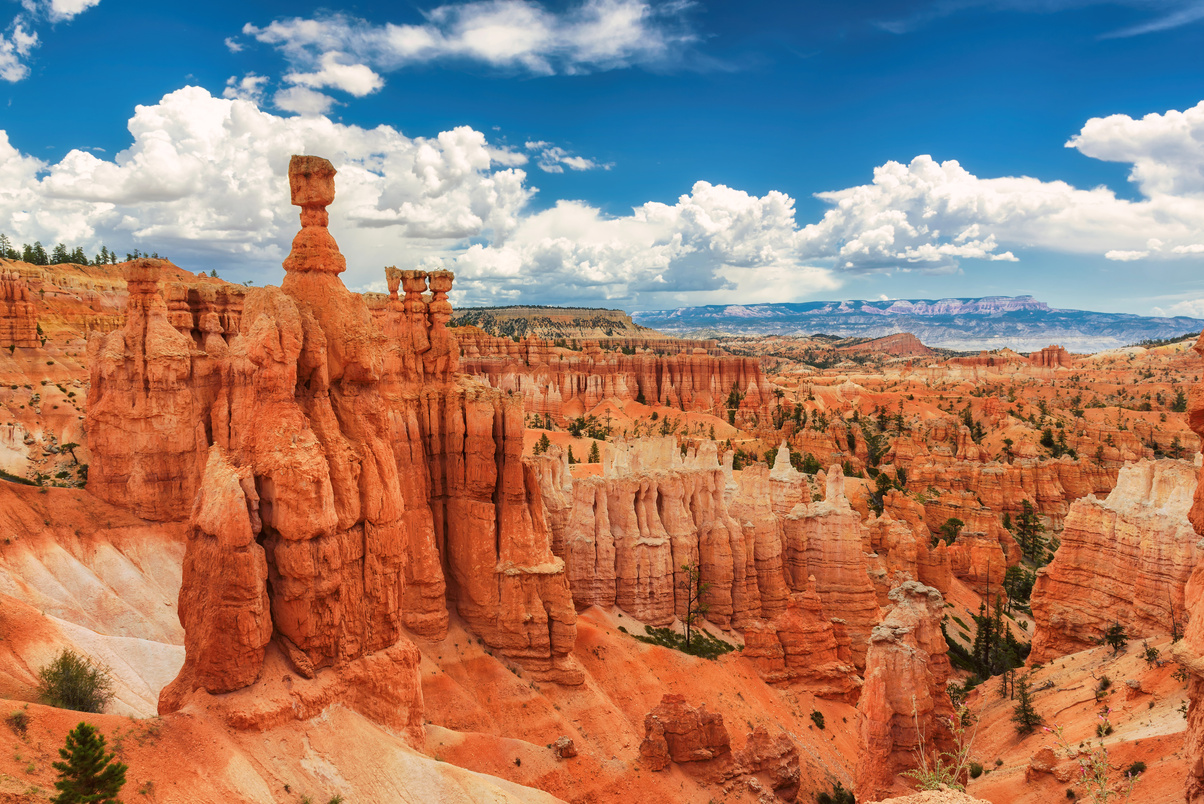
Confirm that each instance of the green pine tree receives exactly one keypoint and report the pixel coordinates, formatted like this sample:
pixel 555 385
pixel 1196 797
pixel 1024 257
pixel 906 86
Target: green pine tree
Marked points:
pixel 595 455
pixel 87 775
pixel 1030 533
pixel 1116 637
pixel 1024 715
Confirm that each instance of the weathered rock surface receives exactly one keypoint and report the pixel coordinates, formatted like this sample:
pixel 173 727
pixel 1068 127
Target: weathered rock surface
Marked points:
pixel 1189 651
pixel 18 319
pixel 904 697
pixel 677 732
pixel 826 540
pixel 353 479
pixel 800 645
pixel 1126 558
pixel 564 384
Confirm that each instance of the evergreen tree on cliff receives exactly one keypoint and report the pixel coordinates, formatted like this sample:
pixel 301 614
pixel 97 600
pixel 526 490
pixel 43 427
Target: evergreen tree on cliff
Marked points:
pixel 1024 715
pixel 87 775
pixel 1030 534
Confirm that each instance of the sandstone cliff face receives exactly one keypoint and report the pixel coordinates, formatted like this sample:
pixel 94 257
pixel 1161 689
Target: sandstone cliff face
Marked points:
pixel 147 427
pixel 351 482
pixel 18 319
pixel 1126 558
pixel 565 384
pixel 1050 485
pixel 904 697
pixel 826 540
pixel 1190 650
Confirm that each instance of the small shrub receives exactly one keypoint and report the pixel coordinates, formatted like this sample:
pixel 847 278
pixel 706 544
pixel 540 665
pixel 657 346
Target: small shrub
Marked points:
pixel 18 721
pixel 998 762
pixel 75 682
pixel 817 718
pixel 838 796
pixel 1070 793
pixel 702 644
pixel 1135 769
pixel 975 770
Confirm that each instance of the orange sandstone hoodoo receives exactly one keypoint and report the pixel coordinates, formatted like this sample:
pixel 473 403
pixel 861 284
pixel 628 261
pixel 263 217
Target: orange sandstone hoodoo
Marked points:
pixel 350 482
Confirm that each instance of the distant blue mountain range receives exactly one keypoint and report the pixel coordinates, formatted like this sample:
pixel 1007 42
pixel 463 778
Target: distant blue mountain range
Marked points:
pixel 992 322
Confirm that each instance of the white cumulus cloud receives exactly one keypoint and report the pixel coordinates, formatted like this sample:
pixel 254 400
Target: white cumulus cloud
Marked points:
pixel 249 88
pixel 714 244
pixel 303 100
pixel 928 215
pixel 355 79
pixel 205 182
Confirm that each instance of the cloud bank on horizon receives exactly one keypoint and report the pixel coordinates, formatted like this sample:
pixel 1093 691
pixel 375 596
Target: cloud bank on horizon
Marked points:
pixel 204 182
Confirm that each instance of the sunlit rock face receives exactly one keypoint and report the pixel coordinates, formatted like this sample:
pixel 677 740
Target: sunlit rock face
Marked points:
pixel 350 482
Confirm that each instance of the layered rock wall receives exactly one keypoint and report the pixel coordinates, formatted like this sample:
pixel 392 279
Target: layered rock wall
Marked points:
pixel 1123 559
pixel 1189 651
pixel 565 384
pixel 18 319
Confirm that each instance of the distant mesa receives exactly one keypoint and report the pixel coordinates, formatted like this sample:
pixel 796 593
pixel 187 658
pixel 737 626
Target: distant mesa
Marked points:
pixel 1021 323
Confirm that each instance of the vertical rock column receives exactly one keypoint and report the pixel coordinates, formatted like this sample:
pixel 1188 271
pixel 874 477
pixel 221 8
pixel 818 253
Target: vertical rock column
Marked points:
pixel 1189 651
pixel 904 698
pixel 145 429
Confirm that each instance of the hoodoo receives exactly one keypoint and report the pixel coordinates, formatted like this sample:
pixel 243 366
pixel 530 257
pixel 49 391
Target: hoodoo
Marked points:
pixel 351 484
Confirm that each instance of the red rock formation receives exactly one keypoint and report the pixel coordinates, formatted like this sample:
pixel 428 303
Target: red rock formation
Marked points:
pixel 800 646
pixel 902 344
pixel 18 319
pixel 629 531
pixel 676 732
pixel 904 696
pixel 147 431
pixel 226 616
pixel 826 540
pixel 1051 357
pixel 347 463
pixel 565 384
pixel 1189 651
pixel 1126 558
pixel 1050 485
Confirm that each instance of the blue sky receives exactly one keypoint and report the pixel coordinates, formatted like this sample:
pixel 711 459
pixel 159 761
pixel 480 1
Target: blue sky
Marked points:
pixel 630 153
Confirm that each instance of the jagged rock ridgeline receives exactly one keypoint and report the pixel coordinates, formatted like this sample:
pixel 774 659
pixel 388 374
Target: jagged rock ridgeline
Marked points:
pixel 797 585
pixel 1126 558
pixel 350 482
pixel 1020 322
